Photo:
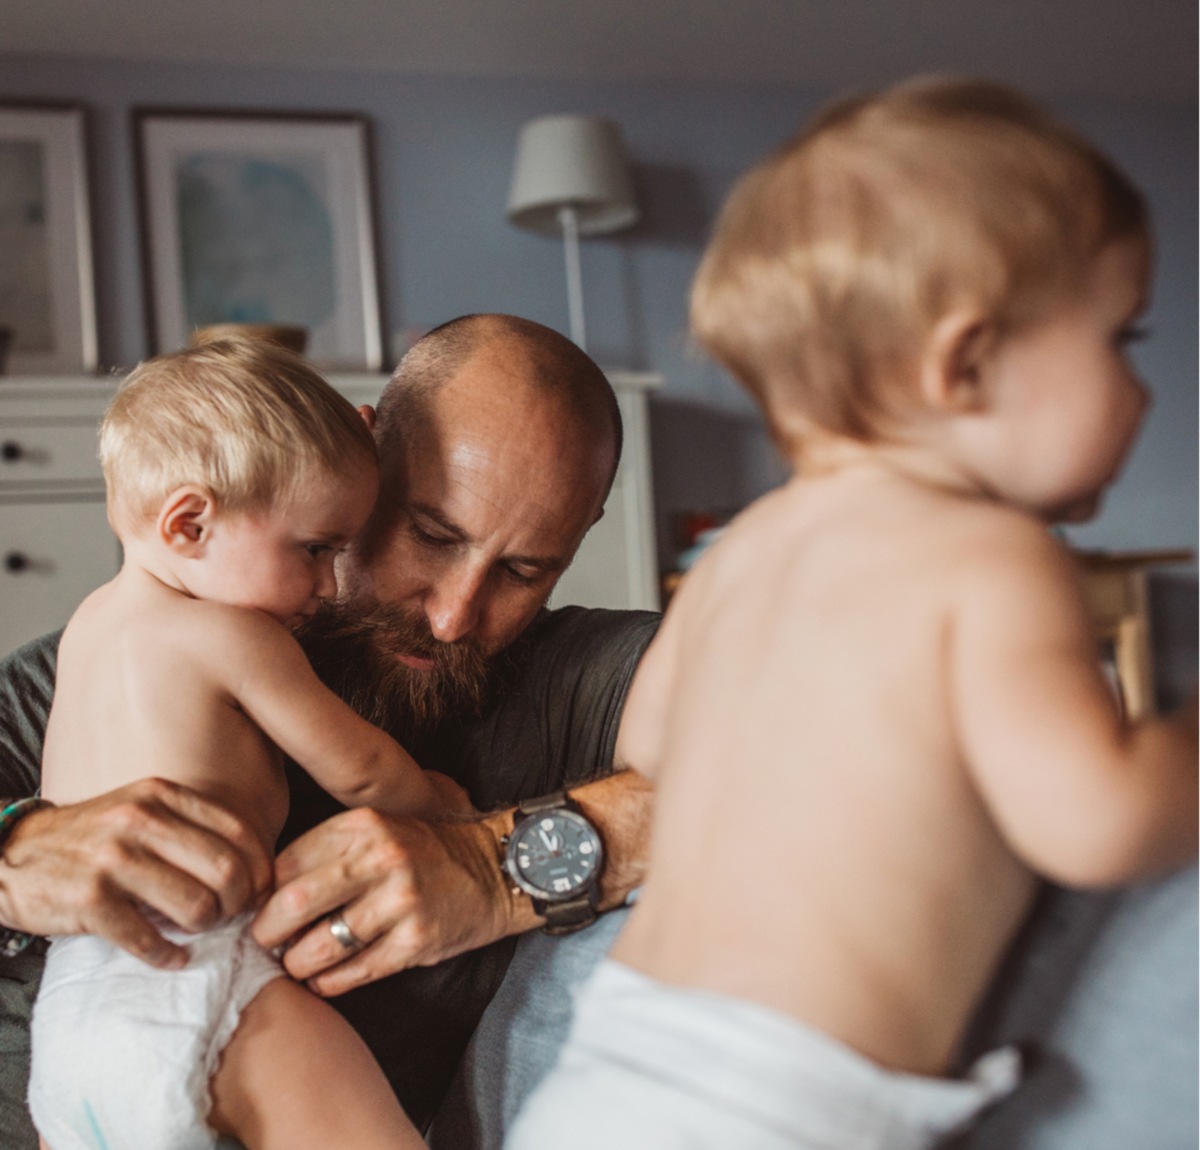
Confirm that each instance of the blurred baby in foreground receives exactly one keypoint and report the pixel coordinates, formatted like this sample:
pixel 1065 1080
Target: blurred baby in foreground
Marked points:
pixel 875 713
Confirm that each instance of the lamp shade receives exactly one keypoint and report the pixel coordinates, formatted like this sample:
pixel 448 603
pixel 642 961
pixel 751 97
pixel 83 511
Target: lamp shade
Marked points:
pixel 571 161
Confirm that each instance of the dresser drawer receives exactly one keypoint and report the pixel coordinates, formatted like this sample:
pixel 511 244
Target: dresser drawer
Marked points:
pixel 51 556
pixel 35 453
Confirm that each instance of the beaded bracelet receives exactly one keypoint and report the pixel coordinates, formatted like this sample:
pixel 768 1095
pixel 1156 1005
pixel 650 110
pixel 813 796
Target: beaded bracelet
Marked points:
pixel 12 942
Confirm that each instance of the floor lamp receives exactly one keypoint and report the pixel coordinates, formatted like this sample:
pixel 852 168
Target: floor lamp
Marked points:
pixel 571 178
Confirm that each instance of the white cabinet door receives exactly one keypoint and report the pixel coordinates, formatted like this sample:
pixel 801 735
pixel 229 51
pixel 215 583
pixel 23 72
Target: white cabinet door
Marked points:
pixel 51 556
pixel 616 564
pixel 599 576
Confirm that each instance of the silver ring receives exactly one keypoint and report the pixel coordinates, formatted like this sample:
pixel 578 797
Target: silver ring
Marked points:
pixel 345 936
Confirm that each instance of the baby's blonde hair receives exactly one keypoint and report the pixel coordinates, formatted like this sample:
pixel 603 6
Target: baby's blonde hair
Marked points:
pixel 247 420
pixel 835 256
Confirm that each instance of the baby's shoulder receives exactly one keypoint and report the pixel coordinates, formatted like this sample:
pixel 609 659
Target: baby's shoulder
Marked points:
pixel 197 633
pixel 224 628
pixel 998 559
pixel 986 534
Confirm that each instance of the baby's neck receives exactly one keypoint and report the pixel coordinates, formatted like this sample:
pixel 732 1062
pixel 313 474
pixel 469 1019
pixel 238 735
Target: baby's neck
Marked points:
pixel 827 456
pixel 143 560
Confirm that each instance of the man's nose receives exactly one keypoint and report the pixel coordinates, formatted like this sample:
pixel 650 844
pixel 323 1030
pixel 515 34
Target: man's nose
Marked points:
pixel 326 587
pixel 454 604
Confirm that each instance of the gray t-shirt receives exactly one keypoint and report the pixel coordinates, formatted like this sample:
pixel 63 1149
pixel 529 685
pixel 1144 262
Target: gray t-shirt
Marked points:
pixel 553 724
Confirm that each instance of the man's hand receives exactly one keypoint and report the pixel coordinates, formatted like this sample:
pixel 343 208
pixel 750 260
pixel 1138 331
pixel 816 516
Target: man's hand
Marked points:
pixel 94 867
pixel 415 893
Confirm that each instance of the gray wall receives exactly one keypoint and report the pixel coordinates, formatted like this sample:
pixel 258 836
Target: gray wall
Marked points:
pixel 443 151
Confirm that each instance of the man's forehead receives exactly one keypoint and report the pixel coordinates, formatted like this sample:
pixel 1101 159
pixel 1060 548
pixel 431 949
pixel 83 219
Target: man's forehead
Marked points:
pixel 481 421
pixel 483 488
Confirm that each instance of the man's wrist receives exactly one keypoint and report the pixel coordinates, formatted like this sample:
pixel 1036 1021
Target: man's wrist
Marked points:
pixel 13 941
pixel 514 904
pixel 620 806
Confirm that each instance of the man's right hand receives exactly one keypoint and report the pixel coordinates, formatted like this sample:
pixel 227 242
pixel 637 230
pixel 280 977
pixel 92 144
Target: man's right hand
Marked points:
pixel 95 867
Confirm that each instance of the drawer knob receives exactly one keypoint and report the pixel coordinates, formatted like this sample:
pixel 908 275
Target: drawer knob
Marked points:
pixel 11 451
pixel 15 562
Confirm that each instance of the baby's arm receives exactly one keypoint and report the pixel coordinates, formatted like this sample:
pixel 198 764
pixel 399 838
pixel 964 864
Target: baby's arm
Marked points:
pixel 1083 796
pixel 267 674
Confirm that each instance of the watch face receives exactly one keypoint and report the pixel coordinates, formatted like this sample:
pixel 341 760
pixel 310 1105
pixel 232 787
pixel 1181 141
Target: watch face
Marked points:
pixel 555 855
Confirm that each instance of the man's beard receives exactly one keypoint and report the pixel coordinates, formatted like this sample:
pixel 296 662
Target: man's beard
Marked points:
pixel 353 649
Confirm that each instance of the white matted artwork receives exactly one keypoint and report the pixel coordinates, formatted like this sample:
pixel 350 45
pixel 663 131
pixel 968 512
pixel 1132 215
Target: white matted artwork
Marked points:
pixel 260 218
pixel 47 290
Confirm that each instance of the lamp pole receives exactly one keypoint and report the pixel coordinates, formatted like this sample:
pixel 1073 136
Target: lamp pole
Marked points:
pixel 569 222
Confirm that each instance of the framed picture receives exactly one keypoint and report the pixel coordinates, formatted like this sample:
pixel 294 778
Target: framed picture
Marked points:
pixel 262 219
pixel 47 290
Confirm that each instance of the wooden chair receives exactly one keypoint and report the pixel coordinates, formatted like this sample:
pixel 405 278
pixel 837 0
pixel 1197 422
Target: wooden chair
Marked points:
pixel 1116 587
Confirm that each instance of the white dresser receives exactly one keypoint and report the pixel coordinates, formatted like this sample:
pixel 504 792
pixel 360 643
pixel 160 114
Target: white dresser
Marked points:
pixel 56 546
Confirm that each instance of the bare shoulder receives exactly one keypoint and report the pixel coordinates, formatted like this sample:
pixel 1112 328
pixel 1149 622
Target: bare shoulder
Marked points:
pixel 230 644
pixel 1007 564
pixel 995 541
pixel 226 629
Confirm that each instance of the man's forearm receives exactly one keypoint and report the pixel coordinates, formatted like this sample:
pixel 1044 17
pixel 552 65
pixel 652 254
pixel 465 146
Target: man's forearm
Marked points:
pixel 416 892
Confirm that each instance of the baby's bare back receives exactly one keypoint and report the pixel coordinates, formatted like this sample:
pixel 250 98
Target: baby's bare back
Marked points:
pixel 142 690
pixel 819 846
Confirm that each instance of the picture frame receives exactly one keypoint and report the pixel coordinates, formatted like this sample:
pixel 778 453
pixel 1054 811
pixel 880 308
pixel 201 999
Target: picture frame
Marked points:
pixel 260 218
pixel 47 281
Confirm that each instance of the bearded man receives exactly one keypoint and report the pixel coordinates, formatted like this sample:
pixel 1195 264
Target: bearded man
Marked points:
pixel 499 440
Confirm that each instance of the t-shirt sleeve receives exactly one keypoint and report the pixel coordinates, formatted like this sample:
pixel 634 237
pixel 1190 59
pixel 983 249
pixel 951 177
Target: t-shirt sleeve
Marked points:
pixel 26 690
pixel 556 723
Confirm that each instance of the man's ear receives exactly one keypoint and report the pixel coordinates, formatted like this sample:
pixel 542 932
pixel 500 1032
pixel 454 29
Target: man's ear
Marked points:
pixel 368 416
pixel 185 520
pixel 952 368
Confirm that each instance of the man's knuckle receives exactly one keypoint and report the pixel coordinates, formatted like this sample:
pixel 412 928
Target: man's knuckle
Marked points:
pixel 134 818
pixel 153 790
pixel 391 904
pixel 108 857
pixel 388 857
pixel 418 934
pixel 226 869
pixel 93 893
pixel 295 901
pixel 144 948
pixel 199 907
pixel 364 820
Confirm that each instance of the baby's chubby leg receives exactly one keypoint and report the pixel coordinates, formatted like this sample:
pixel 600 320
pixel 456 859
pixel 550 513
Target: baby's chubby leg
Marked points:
pixel 296 1075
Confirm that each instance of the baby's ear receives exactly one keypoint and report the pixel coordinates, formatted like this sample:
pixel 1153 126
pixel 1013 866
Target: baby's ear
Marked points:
pixel 952 368
pixel 185 520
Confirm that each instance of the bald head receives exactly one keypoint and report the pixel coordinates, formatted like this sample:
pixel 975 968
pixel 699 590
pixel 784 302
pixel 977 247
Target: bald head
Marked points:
pixel 526 361
pixel 498 442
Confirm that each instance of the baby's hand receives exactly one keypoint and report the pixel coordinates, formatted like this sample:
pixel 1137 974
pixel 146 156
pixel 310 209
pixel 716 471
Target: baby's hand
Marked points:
pixel 454 798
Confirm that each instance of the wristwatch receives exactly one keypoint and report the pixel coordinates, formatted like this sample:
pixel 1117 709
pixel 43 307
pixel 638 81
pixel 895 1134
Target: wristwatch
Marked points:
pixel 554 854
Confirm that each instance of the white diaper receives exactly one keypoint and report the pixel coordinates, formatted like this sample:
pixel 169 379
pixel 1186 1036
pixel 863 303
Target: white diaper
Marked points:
pixel 123 1053
pixel 654 1067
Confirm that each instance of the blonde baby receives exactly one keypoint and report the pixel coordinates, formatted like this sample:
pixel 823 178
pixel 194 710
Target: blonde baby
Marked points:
pixel 875 714
pixel 235 475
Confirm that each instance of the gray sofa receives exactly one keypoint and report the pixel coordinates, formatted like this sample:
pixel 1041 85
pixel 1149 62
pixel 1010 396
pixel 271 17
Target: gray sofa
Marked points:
pixel 1100 990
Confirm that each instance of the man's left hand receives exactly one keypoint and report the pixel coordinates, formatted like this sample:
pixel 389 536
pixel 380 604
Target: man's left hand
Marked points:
pixel 413 892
